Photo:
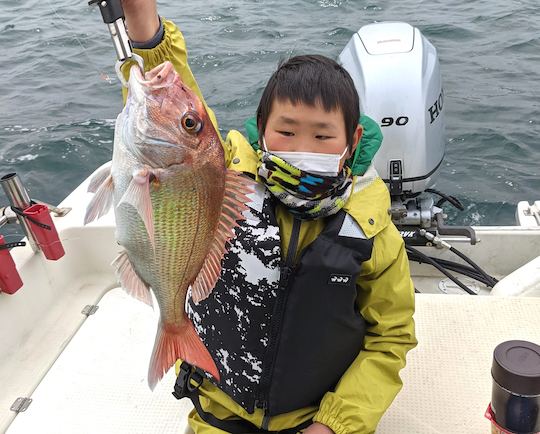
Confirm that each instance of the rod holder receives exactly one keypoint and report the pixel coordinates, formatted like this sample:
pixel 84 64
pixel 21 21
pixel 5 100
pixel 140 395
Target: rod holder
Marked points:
pixel 18 198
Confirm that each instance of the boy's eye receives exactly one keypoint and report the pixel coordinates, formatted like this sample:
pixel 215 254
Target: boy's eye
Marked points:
pixel 286 133
pixel 323 137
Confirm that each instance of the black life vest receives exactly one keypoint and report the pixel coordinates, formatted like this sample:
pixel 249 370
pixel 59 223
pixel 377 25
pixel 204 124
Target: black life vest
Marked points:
pixel 283 334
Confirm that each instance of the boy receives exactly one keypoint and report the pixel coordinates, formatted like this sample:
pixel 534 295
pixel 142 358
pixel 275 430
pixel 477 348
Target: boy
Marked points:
pixel 311 319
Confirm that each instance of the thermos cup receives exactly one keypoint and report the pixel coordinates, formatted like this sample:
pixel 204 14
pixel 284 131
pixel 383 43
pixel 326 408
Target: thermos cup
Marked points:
pixel 515 399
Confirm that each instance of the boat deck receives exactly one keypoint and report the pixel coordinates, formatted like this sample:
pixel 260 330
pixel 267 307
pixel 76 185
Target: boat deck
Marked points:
pixel 88 374
pixel 98 384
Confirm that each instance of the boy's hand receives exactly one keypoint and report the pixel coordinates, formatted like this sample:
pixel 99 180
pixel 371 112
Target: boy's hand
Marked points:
pixel 141 19
pixel 318 428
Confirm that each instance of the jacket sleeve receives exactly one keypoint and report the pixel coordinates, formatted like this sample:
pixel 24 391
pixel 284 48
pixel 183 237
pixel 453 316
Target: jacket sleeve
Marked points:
pixel 386 301
pixel 173 48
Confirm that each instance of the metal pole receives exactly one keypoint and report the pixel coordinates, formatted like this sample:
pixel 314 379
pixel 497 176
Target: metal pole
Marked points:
pixel 18 198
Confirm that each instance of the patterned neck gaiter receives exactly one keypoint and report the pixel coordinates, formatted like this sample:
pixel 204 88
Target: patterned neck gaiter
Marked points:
pixel 307 196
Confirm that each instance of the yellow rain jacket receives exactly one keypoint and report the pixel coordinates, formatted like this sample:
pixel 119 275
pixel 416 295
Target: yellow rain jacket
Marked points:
pixel 386 299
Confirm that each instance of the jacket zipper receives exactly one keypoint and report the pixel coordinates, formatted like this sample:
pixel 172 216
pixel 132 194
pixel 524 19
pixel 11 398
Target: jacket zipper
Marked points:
pixel 285 273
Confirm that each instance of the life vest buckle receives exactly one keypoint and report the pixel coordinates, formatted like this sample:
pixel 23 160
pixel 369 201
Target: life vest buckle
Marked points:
pixel 187 381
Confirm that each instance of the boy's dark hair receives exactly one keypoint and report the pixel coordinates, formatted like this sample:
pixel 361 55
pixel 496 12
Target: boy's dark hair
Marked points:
pixel 312 79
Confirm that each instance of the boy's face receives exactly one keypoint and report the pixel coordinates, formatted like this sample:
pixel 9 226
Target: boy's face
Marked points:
pixel 305 128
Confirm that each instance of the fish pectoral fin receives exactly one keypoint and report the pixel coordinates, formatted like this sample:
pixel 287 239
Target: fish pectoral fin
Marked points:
pixel 179 343
pixel 237 187
pixel 101 202
pixel 99 178
pixel 138 196
pixel 130 281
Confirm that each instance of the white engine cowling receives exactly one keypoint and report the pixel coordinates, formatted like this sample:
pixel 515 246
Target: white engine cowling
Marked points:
pixel 396 73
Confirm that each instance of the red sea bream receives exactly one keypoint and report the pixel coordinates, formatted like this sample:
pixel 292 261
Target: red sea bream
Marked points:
pixel 176 207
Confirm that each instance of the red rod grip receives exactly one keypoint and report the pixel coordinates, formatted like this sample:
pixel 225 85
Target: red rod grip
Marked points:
pixel 48 239
pixel 10 281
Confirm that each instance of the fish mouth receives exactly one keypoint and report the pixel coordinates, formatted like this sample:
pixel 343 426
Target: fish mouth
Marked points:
pixel 137 73
pixel 158 77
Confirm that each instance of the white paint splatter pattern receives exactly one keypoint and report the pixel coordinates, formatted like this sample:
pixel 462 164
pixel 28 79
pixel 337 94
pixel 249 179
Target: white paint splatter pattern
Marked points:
pixel 234 320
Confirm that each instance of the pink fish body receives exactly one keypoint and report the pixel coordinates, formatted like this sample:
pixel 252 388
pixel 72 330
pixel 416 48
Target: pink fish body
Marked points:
pixel 176 207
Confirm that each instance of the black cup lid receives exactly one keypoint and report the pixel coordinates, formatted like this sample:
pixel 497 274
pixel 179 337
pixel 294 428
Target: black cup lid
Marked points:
pixel 516 367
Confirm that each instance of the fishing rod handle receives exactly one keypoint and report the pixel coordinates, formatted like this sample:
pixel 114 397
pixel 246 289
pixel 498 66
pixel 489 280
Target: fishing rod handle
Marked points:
pixel 111 10
pixel 113 15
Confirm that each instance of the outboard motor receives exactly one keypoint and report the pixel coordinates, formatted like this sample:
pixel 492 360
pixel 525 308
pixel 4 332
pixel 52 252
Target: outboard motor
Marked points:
pixel 397 75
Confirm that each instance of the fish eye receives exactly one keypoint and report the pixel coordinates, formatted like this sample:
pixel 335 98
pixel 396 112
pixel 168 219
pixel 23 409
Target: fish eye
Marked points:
pixel 191 123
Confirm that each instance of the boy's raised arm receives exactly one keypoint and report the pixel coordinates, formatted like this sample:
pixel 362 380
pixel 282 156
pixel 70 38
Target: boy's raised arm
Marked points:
pixel 141 18
pixel 160 40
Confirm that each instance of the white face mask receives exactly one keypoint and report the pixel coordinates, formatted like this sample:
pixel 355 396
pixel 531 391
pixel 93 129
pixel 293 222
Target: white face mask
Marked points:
pixel 312 162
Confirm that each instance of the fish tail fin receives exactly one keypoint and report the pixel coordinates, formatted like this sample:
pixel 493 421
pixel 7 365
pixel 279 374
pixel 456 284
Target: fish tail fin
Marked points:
pixel 183 343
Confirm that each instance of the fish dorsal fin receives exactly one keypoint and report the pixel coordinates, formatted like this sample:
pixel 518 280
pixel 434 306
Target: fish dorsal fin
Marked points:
pixel 101 202
pixel 130 281
pixel 235 200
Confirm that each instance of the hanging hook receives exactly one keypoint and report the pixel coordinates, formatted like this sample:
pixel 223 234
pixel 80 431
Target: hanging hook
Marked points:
pixel 118 67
